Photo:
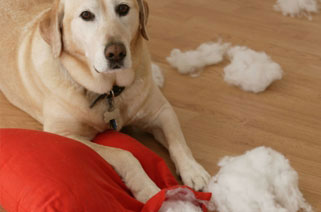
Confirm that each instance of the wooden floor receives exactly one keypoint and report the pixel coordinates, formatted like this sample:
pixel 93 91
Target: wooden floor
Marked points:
pixel 220 120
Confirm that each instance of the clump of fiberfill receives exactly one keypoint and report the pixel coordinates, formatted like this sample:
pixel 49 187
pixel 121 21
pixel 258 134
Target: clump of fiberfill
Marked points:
pixel 261 180
pixel 192 62
pixel 296 7
pixel 252 71
pixel 157 75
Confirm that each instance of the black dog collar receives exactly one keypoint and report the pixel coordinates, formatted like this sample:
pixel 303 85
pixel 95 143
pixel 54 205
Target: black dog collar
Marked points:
pixel 116 91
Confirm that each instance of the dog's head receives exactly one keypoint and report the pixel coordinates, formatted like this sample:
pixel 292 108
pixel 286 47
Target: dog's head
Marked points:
pixel 100 33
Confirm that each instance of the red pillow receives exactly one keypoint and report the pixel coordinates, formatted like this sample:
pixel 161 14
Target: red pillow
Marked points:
pixel 42 172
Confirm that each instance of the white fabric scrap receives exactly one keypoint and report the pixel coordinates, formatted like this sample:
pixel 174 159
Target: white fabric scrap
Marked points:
pixel 297 7
pixel 158 76
pixel 252 71
pixel 261 180
pixel 180 200
pixel 192 62
pixel 179 206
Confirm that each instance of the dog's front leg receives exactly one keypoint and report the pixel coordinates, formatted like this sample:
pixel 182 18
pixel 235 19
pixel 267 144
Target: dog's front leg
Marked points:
pixel 167 130
pixel 158 117
pixel 124 163
pixel 128 168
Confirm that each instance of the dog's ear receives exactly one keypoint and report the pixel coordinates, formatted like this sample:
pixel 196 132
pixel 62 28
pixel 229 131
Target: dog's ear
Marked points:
pixel 143 17
pixel 51 28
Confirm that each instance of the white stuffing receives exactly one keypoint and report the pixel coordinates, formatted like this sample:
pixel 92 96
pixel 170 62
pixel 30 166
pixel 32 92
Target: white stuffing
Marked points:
pixel 252 71
pixel 192 62
pixel 158 76
pixel 296 7
pixel 261 180
pixel 180 200
pixel 179 206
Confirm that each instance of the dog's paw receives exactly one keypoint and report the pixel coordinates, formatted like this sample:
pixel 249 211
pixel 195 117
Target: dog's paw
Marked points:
pixel 194 175
pixel 146 193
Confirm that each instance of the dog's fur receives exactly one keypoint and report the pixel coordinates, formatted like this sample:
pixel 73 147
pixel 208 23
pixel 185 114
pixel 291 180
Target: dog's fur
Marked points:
pixel 52 66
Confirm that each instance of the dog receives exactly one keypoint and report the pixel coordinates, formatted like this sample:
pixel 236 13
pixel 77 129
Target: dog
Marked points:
pixel 81 67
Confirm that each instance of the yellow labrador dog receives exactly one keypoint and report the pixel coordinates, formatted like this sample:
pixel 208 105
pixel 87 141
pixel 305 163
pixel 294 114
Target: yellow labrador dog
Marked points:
pixel 82 66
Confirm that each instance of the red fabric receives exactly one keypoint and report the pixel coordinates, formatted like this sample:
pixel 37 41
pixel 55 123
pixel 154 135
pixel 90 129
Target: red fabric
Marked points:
pixel 42 172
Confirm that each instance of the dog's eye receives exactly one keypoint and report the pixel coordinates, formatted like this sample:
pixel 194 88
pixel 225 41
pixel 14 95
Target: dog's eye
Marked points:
pixel 122 9
pixel 87 16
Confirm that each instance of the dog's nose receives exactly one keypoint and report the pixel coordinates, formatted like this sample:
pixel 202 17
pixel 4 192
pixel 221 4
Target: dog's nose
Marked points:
pixel 115 52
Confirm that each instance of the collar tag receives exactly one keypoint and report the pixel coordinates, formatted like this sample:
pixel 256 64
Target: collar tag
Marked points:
pixel 110 97
pixel 113 124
